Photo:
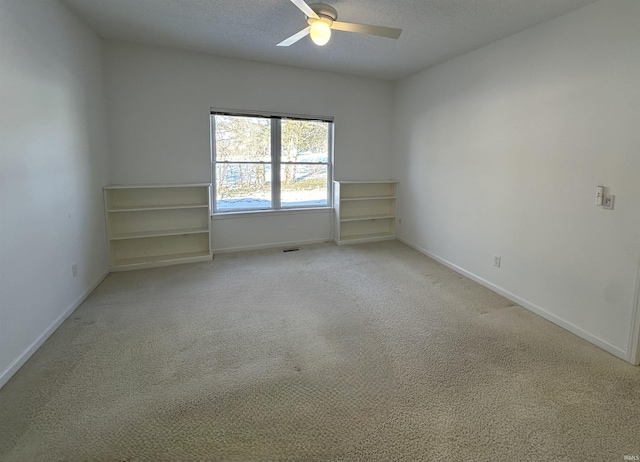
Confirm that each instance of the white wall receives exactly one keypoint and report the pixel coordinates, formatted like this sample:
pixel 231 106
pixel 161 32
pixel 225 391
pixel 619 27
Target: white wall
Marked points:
pixel 498 152
pixel 53 163
pixel 159 105
pixel 277 229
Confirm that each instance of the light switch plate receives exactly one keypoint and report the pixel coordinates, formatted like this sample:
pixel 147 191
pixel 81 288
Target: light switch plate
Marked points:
pixel 608 202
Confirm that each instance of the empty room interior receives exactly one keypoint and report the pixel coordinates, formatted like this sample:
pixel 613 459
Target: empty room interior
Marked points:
pixel 347 230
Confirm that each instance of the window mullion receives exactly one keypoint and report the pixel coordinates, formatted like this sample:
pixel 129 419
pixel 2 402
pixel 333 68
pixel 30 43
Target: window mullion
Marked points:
pixel 276 149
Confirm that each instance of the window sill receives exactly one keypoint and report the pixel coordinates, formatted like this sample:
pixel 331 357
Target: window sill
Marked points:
pixel 274 212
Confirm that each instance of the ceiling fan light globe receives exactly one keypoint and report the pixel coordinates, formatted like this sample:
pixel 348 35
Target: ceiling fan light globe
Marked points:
pixel 320 33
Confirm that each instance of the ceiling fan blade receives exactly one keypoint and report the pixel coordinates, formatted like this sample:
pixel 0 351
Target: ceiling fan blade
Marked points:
pixel 295 37
pixel 388 32
pixel 306 9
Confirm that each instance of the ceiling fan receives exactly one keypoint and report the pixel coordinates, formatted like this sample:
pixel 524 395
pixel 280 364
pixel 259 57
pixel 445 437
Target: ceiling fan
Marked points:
pixel 322 18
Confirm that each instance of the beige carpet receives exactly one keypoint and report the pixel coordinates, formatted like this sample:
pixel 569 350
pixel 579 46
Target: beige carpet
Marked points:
pixel 354 353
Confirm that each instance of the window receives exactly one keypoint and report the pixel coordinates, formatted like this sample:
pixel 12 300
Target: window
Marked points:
pixel 270 162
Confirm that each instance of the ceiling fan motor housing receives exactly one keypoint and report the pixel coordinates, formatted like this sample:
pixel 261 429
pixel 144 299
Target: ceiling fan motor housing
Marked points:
pixel 326 12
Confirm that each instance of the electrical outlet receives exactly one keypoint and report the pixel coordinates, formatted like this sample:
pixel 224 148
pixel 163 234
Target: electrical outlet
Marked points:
pixel 74 270
pixel 496 261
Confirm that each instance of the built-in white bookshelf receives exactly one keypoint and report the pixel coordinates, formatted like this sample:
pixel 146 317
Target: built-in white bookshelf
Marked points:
pixel 365 211
pixel 157 225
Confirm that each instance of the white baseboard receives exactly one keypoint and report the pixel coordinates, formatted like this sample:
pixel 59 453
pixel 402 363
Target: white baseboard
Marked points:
pixel 634 338
pixel 274 245
pixel 606 346
pixel 6 374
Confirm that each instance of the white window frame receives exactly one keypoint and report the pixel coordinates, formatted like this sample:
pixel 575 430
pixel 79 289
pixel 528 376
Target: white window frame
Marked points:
pixel 275 163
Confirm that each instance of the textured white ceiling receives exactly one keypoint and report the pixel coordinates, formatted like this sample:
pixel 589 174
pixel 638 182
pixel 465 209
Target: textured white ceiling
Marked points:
pixel 433 30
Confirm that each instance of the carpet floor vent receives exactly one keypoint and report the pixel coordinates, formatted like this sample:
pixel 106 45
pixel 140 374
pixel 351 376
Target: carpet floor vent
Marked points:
pixel 295 249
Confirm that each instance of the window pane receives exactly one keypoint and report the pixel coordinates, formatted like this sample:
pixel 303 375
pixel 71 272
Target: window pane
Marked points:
pixel 243 139
pixel 305 141
pixel 303 185
pixel 243 186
